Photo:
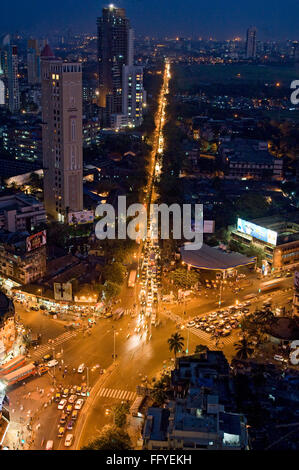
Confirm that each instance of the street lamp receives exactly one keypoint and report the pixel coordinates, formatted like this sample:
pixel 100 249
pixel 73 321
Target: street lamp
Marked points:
pixel 187 348
pixel 114 345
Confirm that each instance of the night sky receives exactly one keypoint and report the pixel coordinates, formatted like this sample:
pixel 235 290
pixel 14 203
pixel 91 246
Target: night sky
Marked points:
pixel 220 19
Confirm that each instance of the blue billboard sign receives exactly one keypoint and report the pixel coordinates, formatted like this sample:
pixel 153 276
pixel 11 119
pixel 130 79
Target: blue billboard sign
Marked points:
pixel 256 231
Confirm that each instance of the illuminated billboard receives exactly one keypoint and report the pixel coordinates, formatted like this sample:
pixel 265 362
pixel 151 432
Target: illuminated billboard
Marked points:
pixel 36 241
pixel 80 217
pixel 256 231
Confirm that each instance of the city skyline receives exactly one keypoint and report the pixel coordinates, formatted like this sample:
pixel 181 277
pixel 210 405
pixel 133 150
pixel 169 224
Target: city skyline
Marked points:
pixel 191 18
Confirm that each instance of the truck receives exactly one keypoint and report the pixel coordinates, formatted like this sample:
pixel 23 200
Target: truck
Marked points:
pixel 132 278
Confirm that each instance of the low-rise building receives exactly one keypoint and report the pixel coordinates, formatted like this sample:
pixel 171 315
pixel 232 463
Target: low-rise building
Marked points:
pixel 91 132
pixel 21 212
pixel 250 159
pixel 23 140
pixel 277 236
pixel 22 256
pixel 7 325
pixel 203 414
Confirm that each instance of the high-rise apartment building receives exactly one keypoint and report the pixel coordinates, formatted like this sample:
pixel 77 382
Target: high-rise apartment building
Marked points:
pixel 33 61
pixel 62 135
pixel 115 49
pixel 134 96
pixel 13 80
pixel 251 42
pixel 2 93
pixel 121 90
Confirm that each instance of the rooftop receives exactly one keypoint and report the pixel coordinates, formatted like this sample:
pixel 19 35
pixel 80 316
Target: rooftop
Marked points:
pixel 214 258
pixel 284 328
pixel 17 202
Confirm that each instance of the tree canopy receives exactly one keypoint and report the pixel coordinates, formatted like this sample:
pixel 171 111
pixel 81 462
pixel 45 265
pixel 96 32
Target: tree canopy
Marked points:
pixel 111 438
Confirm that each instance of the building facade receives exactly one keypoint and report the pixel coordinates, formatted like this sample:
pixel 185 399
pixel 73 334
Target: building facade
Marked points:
pixel 202 414
pixel 23 140
pixel 17 261
pixel 2 93
pixel 134 96
pixel 251 42
pixel 250 159
pixel 62 136
pixel 13 80
pixel 7 325
pixel 277 237
pixel 21 212
pixel 33 62
pixel 115 49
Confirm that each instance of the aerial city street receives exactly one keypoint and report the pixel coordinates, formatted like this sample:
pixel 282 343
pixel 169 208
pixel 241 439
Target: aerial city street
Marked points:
pixel 149 229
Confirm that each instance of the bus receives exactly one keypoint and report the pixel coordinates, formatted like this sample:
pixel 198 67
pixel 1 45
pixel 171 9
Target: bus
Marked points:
pixel 271 285
pixel 132 278
pixel 12 365
pixel 20 374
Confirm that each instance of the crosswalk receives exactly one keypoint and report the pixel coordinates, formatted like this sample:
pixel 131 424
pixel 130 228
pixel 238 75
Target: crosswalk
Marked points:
pixel 225 340
pixel 45 348
pixel 117 394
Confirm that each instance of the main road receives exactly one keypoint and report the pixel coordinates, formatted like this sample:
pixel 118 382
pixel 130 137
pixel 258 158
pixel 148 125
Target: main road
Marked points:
pixel 139 357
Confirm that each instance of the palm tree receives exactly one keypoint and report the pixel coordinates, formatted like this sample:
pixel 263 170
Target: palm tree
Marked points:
pixel 176 343
pixel 244 349
pixel 265 317
pixel 201 349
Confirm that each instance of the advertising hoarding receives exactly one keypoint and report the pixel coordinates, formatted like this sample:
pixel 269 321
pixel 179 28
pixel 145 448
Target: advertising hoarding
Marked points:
pixel 256 231
pixel 80 217
pixel 36 241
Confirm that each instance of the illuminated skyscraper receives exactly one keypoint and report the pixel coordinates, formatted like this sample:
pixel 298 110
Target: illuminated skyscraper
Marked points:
pixel 2 93
pixel 62 136
pixel 251 42
pixel 13 80
pixel 115 49
pixel 134 96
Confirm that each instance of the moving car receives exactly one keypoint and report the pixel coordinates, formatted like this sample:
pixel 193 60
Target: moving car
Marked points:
pixel 47 357
pixel 63 418
pixel 61 431
pixel 52 363
pixel 42 370
pixel 79 404
pixel 81 368
pixel 70 425
pixel 68 440
pixel 61 404
pixel 69 409
pixel 49 445
pixel 72 399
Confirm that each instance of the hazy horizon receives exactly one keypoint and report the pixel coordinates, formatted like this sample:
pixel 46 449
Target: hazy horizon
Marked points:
pixel 275 20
